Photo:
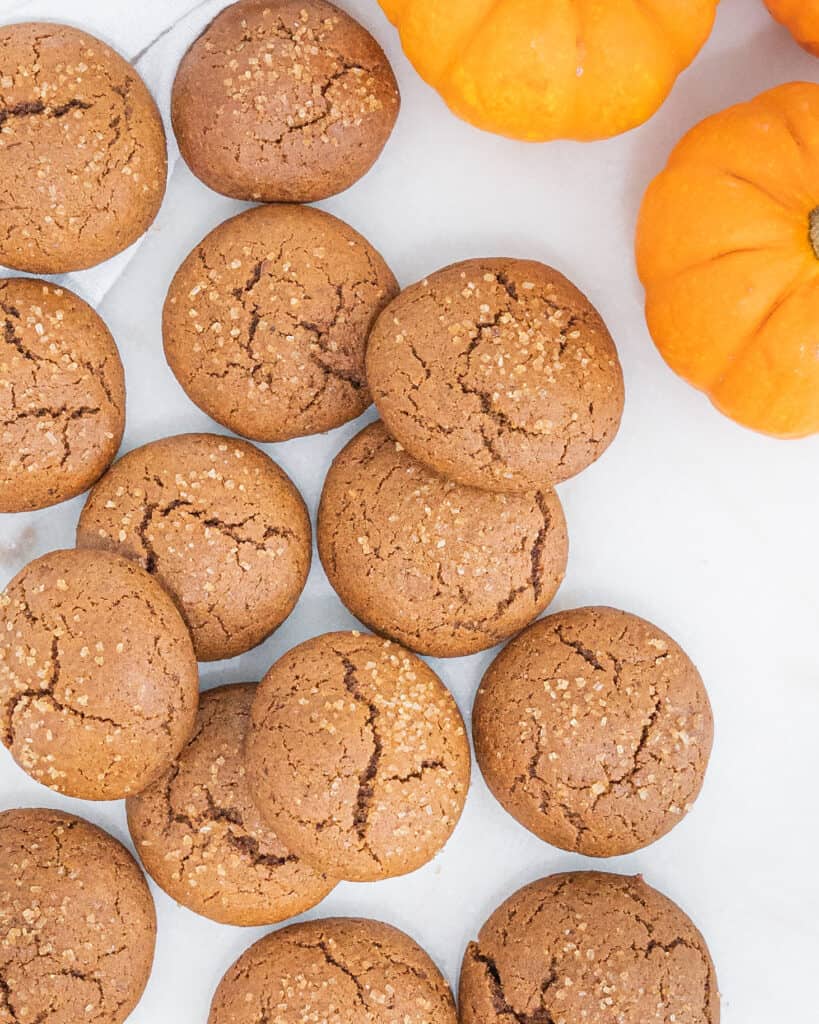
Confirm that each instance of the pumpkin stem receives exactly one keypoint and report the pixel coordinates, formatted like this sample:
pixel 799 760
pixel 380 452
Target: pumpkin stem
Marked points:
pixel 813 232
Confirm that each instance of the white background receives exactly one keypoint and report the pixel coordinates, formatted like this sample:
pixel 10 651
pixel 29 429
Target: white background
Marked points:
pixel 688 520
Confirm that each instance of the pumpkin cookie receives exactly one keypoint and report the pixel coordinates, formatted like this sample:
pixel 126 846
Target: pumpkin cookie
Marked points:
pixel 62 395
pixel 497 373
pixel 335 971
pixel 219 525
pixel 266 321
pixel 98 680
pixel 82 150
pixel 593 729
pixel 591 947
pixel 283 100
pixel 200 836
pixel 77 922
pixel 358 756
pixel 445 569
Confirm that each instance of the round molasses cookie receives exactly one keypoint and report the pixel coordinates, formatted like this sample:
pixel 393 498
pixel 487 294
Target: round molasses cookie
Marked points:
pixel 82 150
pixel 266 322
pixel 283 100
pixel 357 756
pixel 219 525
pixel 335 971
pixel 77 922
pixel 62 395
pixel 497 373
pixel 593 729
pixel 444 569
pixel 591 947
pixel 200 835
pixel 98 680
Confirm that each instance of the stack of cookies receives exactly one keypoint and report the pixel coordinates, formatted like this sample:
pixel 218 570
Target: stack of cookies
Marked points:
pixel 439 527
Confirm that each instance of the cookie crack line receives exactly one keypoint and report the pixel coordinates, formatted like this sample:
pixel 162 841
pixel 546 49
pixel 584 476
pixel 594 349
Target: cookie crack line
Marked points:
pixel 323 948
pixel 370 770
pixel 539 544
pixel 5 996
pixel 210 521
pixel 426 765
pixel 32 109
pixel 243 843
pixel 500 1003
pixel 588 656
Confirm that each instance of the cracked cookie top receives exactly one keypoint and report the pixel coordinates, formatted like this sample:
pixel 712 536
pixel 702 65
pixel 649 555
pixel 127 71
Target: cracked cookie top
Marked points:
pixel 218 523
pixel 62 395
pixel 445 569
pixel 98 679
pixel 201 837
pixel 283 101
pixel 82 150
pixel 77 922
pixel 266 321
pixel 593 729
pixel 358 756
pixel 592 947
pixel 497 373
pixel 335 970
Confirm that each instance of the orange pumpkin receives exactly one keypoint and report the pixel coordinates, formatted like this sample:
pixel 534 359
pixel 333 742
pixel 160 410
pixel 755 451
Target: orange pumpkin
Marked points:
pixel 801 18
pixel 728 253
pixel 549 69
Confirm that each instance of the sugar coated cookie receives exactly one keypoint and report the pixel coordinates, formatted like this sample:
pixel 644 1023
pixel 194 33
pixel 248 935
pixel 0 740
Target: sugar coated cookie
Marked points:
pixel 283 100
pixel 219 525
pixel 77 922
pixel 443 568
pixel 497 373
pixel 82 150
pixel 62 395
pixel 593 729
pixel 358 756
pixel 335 971
pixel 98 679
pixel 266 321
pixel 588 947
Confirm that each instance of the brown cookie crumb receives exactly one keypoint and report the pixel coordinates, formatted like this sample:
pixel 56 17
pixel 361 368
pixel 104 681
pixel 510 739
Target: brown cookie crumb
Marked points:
pixel 591 947
pixel 444 569
pixel 218 523
pixel 77 922
pixel 283 100
pixel 62 395
pixel 200 835
pixel 266 321
pixel 98 679
pixel 82 150
pixel 497 373
pixel 593 729
pixel 358 756
pixel 335 971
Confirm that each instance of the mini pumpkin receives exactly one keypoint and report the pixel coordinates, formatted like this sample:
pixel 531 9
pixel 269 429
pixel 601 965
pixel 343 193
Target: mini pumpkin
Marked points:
pixel 728 253
pixel 801 18
pixel 549 69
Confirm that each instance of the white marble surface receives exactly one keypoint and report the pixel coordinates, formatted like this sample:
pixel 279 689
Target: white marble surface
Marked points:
pixel 705 528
